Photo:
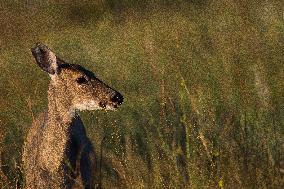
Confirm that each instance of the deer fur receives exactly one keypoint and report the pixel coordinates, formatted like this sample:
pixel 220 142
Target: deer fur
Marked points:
pixel 57 152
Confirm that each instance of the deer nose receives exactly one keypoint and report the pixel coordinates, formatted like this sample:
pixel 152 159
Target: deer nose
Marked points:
pixel 117 98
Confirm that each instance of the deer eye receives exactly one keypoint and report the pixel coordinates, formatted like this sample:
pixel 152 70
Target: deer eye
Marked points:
pixel 81 80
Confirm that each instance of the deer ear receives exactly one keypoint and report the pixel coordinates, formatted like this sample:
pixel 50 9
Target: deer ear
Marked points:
pixel 45 58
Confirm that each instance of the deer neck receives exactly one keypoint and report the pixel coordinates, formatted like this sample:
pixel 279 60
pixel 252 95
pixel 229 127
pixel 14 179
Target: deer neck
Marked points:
pixel 56 131
pixel 60 111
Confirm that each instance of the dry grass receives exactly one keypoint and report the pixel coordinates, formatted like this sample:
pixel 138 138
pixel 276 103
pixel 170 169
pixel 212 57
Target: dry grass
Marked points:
pixel 203 86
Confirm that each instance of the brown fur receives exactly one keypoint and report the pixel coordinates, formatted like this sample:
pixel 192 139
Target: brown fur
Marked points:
pixel 57 151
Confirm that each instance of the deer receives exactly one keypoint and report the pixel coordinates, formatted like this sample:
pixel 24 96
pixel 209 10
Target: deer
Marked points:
pixel 57 152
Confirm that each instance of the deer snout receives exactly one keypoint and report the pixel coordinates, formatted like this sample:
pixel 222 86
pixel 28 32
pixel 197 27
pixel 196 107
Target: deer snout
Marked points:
pixel 117 98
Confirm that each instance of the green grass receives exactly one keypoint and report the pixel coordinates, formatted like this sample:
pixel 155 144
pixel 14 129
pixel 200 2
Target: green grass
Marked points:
pixel 203 84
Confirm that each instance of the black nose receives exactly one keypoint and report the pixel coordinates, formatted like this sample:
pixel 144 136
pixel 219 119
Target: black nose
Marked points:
pixel 117 98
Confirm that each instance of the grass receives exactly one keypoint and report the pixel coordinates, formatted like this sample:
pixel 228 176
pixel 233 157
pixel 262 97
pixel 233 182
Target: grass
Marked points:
pixel 202 81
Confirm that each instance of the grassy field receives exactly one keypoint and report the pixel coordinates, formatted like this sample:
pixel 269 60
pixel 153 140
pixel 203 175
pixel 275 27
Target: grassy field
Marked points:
pixel 203 83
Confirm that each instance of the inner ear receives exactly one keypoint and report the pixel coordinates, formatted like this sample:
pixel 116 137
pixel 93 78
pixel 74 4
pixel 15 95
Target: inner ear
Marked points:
pixel 45 58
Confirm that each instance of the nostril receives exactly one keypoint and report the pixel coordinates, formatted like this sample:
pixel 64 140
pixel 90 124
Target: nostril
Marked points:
pixel 117 98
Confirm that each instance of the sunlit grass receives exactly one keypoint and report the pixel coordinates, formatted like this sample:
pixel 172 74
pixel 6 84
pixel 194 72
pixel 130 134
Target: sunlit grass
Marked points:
pixel 203 88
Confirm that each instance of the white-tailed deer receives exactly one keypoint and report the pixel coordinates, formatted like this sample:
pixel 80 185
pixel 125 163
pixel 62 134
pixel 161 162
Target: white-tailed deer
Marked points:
pixel 57 151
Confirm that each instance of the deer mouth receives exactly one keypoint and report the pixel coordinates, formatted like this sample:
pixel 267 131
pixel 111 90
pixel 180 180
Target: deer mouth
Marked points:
pixel 109 106
pixel 113 103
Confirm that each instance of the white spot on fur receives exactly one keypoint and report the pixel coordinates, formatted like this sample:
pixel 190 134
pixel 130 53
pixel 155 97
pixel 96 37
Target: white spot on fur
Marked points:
pixel 91 105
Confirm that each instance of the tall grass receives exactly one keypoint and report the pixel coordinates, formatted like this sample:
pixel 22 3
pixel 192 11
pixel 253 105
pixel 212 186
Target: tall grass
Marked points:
pixel 202 81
